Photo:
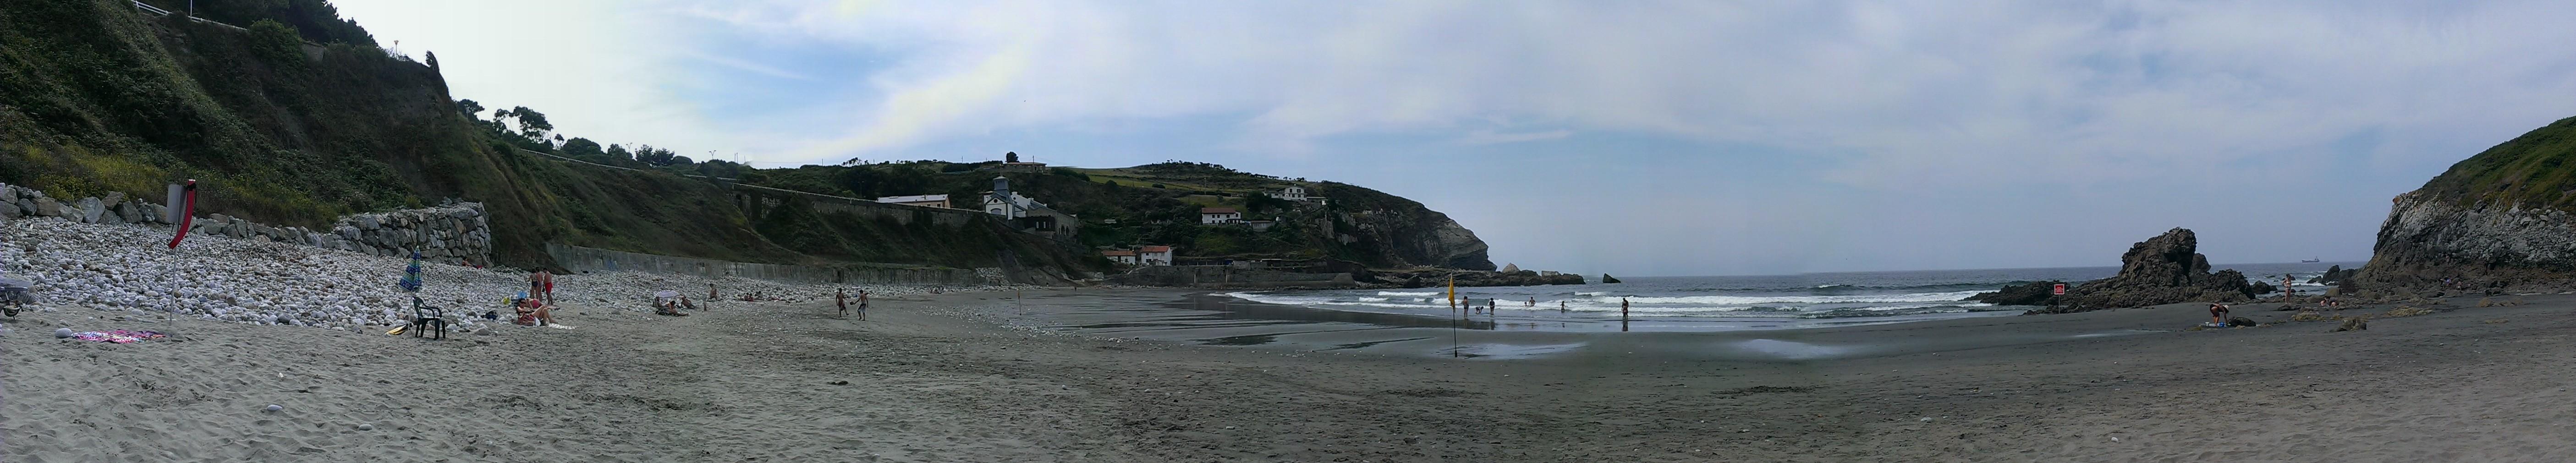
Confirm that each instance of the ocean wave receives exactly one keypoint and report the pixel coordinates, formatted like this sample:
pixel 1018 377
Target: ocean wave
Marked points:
pixel 1593 293
pixel 1373 299
pixel 1401 293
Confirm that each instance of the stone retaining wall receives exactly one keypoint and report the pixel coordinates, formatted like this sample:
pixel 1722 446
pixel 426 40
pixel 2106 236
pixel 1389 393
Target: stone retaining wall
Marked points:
pixel 452 232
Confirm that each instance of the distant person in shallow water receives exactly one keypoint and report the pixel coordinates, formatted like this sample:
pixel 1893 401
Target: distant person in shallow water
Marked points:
pixel 1533 302
pixel 1489 306
pixel 1560 306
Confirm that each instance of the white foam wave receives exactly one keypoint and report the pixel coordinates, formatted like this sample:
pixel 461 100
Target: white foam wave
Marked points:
pixel 1754 300
pixel 1373 299
pixel 1400 293
pixel 1593 293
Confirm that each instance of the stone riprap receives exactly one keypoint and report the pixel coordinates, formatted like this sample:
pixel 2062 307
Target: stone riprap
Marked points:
pixel 456 232
pixel 126 271
pixel 446 233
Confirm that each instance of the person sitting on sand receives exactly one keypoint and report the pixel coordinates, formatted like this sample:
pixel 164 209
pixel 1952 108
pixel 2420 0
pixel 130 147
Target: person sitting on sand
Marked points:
pixel 533 314
pixel 2217 313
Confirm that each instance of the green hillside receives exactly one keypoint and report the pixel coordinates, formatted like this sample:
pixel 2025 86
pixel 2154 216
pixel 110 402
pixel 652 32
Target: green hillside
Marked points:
pixel 2532 170
pixel 301 119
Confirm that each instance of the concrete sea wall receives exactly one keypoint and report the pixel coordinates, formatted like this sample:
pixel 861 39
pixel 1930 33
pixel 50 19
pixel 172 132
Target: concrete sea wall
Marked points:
pixel 583 259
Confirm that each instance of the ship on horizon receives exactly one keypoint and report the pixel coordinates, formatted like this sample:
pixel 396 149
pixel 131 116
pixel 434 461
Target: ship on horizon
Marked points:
pixel 2311 260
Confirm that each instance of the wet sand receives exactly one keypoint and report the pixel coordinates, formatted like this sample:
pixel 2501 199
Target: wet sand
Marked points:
pixel 938 380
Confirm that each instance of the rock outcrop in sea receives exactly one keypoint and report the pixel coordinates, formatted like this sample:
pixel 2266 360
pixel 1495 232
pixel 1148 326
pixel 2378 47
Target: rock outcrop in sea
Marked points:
pixel 2335 274
pixel 2033 293
pixel 2162 270
pixel 1606 279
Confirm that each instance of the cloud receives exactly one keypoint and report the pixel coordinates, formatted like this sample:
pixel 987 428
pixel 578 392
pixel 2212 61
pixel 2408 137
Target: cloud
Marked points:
pixel 2108 91
pixel 747 66
pixel 1489 137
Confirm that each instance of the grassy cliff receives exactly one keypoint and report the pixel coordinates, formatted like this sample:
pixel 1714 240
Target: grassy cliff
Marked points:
pixel 2532 170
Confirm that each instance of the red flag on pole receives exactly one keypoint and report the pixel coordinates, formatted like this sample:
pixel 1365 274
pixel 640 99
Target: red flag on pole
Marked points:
pixel 186 206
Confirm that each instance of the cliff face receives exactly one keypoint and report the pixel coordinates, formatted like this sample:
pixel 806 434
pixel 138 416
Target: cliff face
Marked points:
pixel 1403 232
pixel 2427 239
pixel 2497 220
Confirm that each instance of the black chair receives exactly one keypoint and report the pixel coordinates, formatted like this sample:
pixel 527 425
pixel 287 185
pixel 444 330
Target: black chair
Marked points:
pixel 428 319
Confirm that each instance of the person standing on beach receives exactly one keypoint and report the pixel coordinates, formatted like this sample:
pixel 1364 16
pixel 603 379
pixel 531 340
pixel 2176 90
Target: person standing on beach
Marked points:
pixel 711 291
pixel 841 298
pixel 1623 309
pixel 863 305
pixel 537 284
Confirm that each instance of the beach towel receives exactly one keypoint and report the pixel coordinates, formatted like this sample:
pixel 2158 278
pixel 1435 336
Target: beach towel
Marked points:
pixel 118 336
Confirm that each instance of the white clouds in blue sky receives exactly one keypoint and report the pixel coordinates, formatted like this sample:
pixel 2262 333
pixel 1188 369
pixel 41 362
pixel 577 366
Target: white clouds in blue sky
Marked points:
pixel 1732 137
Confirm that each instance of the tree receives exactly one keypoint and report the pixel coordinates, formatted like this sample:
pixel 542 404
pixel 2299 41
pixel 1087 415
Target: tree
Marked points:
pixel 651 156
pixel 277 42
pixel 431 58
pixel 618 153
pixel 583 149
pixel 471 109
pixel 531 123
pixel 1010 156
pixel 680 161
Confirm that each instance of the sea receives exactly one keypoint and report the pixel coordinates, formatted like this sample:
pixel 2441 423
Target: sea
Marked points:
pixel 1720 303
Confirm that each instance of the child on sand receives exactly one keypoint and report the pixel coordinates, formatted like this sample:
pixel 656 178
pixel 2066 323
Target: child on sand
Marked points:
pixel 2217 313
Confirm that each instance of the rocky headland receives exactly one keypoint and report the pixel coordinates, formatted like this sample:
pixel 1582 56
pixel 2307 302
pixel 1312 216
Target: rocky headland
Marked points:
pixel 2162 270
pixel 2497 222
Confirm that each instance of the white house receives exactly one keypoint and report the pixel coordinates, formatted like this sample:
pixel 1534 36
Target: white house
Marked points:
pixel 1015 207
pixel 1154 255
pixel 938 201
pixel 1217 215
pixel 1121 256
pixel 1292 193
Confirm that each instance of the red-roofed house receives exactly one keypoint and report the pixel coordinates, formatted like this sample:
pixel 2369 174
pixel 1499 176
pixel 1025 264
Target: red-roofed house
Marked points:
pixel 1121 256
pixel 1154 255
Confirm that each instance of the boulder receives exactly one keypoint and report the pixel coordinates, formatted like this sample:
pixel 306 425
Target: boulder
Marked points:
pixel 89 209
pixel 1606 278
pixel 1511 268
pixel 2352 324
pixel 46 207
pixel 2240 321
pixel 2165 269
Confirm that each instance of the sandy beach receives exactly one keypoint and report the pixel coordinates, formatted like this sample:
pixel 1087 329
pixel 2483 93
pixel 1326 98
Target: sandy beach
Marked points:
pixel 933 379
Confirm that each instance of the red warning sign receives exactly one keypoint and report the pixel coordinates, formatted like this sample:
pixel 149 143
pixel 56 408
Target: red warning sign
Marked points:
pixel 2061 289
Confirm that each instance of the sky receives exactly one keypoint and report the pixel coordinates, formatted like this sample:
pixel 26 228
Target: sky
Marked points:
pixel 1630 138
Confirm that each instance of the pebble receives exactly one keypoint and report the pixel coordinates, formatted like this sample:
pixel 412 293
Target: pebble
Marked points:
pixel 275 407
pixel 62 332
pixel 366 427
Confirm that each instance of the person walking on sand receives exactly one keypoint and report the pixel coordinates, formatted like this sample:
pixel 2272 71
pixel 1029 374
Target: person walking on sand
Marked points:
pixel 863 305
pixel 841 298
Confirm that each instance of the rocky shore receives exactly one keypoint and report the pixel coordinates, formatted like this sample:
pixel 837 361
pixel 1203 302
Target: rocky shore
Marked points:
pixel 126 272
